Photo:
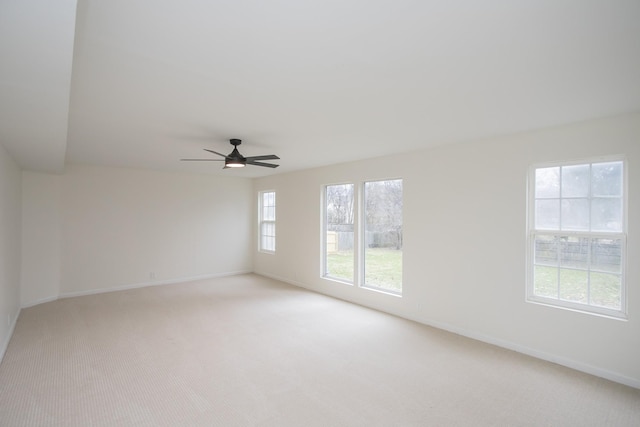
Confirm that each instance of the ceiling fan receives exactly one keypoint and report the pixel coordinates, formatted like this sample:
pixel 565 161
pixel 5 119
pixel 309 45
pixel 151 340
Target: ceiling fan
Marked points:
pixel 237 160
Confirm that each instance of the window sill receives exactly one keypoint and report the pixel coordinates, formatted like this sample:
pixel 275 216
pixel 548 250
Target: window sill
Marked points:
pixel 337 280
pixel 578 308
pixel 382 291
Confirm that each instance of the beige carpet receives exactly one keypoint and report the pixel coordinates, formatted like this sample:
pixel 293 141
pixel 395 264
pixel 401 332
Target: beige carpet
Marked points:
pixel 250 351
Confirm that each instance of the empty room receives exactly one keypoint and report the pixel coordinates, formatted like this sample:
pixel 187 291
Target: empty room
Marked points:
pixel 319 213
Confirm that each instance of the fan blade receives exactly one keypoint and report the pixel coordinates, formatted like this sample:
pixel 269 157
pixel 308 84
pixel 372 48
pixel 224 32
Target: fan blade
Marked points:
pixel 201 160
pixel 267 157
pixel 268 165
pixel 215 152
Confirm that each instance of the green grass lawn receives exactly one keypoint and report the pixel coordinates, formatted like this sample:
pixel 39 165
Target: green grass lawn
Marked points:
pixel 383 267
pixel 574 285
pixel 340 265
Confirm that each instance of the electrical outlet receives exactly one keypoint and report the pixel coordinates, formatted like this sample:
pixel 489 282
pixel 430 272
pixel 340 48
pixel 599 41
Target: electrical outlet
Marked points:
pixel 152 275
pixel 8 320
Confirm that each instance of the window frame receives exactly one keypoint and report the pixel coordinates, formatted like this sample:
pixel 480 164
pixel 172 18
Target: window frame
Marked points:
pixel 359 222
pixel 532 233
pixel 356 210
pixel 262 221
pixel 362 244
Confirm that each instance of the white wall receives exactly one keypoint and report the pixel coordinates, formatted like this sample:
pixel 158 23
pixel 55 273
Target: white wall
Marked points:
pixel 105 228
pixel 465 243
pixel 41 228
pixel 10 194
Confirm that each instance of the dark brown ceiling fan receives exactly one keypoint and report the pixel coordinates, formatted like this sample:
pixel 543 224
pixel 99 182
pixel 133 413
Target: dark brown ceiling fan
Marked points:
pixel 237 160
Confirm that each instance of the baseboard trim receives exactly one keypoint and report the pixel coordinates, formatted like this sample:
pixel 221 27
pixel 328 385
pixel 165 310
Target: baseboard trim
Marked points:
pixel 5 344
pixel 559 360
pixel 292 282
pixel 152 283
pixel 38 302
pixel 135 286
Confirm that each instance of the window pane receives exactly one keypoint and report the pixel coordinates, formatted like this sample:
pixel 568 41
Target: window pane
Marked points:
pixel 547 214
pixel 545 281
pixel 574 285
pixel 583 263
pixel 267 221
pixel 606 255
pixel 606 290
pixel 339 240
pixel 606 179
pixel 383 234
pixel 546 250
pixel 547 182
pixel 574 252
pixel 575 181
pixel 575 214
pixel 269 243
pixel 339 264
pixel 606 214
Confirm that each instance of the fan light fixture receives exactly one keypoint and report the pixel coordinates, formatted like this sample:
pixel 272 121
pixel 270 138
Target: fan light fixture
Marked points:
pixel 237 160
pixel 234 163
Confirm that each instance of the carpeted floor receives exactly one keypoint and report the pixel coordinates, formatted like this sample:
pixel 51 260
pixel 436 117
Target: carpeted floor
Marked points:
pixel 250 351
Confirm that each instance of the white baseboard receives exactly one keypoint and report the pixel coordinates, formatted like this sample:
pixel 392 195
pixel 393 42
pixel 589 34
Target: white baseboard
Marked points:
pixel 569 363
pixel 152 283
pixel 38 302
pixel 5 344
pixel 559 360
pixel 134 286
pixel 289 281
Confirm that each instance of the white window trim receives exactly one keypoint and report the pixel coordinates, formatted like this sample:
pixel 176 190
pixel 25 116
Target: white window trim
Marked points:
pixel 359 224
pixel 361 245
pixel 261 221
pixel 532 233
pixel 323 238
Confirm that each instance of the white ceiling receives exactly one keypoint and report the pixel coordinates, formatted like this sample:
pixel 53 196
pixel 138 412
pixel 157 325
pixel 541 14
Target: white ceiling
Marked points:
pixel 316 82
pixel 36 53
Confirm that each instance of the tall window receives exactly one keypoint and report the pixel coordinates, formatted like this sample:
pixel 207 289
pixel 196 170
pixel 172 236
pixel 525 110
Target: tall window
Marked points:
pixel 577 236
pixel 363 241
pixel 339 232
pixel 383 235
pixel 267 221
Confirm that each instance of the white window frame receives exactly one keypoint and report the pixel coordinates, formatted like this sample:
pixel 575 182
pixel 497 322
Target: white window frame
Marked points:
pixel 359 232
pixel 262 221
pixel 532 232
pixel 362 244
pixel 324 274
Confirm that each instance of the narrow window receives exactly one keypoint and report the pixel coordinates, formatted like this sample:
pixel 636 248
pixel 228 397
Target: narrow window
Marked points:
pixel 382 237
pixel 267 221
pixel 339 232
pixel 577 237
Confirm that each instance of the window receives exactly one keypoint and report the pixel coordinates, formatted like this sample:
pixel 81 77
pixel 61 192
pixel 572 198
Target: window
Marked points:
pixel 267 221
pixel 363 241
pixel 383 235
pixel 577 236
pixel 339 232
